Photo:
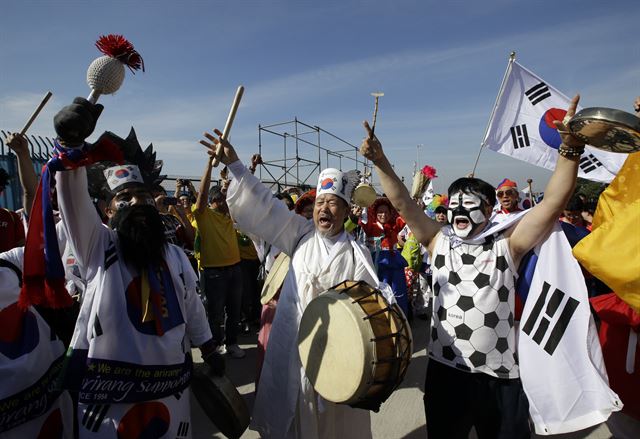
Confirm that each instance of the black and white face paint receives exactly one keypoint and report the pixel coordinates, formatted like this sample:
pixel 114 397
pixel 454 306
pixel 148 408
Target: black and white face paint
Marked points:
pixel 465 213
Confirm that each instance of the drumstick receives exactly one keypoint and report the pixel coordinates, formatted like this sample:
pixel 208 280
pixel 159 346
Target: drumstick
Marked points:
pixel 36 112
pixel 227 126
pixel 376 95
pixel 529 181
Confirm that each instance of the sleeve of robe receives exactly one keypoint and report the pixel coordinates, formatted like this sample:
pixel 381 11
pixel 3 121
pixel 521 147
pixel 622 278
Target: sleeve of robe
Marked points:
pixel 257 212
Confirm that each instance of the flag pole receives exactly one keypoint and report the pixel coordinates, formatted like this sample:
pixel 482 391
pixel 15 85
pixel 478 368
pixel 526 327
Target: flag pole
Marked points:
pixel 512 58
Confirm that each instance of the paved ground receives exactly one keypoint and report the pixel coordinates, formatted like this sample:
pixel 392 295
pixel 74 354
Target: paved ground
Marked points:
pixel 401 417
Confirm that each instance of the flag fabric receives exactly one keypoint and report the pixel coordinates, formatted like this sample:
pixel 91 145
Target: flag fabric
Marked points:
pixel 558 336
pixel 612 251
pixel 522 126
pixel 43 274
pixel 428 195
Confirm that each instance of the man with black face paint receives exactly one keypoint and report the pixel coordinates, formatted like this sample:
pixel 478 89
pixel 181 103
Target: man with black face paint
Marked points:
pixel 131 350
pixel 473 376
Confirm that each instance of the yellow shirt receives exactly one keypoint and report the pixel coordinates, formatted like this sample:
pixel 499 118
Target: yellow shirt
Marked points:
pixel 247 249
pixel 218 243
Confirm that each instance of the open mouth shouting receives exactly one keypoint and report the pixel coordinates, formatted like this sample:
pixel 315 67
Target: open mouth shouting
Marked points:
pixel 461 222
pixel 325 220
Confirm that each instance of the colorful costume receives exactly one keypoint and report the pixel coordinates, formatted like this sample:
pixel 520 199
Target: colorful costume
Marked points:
pixel 131 350
pixel 382 240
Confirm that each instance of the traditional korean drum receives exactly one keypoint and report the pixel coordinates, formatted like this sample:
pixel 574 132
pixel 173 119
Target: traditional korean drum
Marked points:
pixel 354 347
pixel 275 278
pixel 220 400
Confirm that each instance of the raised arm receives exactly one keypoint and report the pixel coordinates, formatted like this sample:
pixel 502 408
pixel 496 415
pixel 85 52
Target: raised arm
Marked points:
pixel 27 174
pixel 256 160
pixel 83 226
pixel 253 206
pixel 423 227
pixel 203 192
pixel 536 224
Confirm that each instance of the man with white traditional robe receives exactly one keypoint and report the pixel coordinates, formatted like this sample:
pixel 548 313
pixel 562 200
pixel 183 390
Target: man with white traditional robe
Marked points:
pixel 323 255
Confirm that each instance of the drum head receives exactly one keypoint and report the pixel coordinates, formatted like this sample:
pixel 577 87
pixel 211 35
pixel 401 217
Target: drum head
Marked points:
pixel 220 400
pixel 607 129
pixel 335 347
pixel 275 278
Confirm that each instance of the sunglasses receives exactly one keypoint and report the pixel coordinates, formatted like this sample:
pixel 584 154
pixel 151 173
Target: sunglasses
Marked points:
pixel 508 193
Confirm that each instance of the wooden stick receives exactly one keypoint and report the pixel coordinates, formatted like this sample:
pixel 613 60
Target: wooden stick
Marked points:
pixel 377 96
pixel 375 116
pixel 529 181
pixel 35 113
pixel 228 125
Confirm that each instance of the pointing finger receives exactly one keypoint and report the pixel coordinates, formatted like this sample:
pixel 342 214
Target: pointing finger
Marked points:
pixel 368 128
pixel 573 105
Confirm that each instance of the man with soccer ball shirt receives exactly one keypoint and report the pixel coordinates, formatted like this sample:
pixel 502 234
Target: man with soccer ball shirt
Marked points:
pixel 473 376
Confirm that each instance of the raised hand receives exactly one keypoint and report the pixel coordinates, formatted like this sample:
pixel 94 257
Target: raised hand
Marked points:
pixel 371 147
pixel 224 174
pixel 18 144
pixel 636 105
pixel 76 122
pixel 567 137
pixel 228 153
pixel 256 160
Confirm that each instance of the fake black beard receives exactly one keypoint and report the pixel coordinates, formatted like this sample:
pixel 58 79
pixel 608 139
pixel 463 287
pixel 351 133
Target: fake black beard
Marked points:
pixel 141 235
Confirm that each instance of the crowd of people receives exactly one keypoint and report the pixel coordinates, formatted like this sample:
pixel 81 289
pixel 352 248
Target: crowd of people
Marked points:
pixel 108 283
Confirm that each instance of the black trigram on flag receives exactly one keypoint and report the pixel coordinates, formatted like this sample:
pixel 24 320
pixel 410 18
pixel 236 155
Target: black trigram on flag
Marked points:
pixel 562 318
pixel 520 136
pixel 110 256
pixel 97 329
pixel 538 93
pixel 183 429
pixel 589 163
pixel 93 416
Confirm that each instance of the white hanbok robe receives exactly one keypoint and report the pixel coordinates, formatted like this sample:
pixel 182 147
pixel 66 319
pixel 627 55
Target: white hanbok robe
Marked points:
pixel 286 405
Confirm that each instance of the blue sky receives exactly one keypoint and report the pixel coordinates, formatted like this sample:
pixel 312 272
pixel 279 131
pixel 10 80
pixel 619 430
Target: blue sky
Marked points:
pixel 439 64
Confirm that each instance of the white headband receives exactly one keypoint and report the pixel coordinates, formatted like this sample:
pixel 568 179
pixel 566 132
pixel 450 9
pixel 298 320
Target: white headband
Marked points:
pixel 118 175
pixel 335 182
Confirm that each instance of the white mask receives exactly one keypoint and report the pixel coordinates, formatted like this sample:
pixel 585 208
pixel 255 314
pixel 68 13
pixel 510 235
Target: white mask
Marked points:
pixel 465 213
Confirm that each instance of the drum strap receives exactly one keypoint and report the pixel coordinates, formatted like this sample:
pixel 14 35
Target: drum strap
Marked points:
pixel 359 253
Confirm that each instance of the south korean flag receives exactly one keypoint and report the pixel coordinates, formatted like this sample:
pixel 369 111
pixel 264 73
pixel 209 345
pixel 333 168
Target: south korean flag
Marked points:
pixel 561 364
pixel 522 126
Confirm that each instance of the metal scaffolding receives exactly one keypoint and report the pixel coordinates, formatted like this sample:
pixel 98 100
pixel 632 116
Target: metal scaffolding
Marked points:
pixel 305 150
pixel 293 154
